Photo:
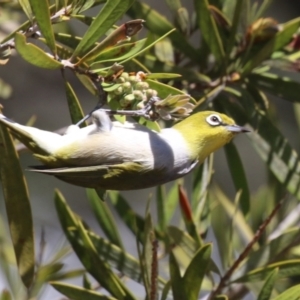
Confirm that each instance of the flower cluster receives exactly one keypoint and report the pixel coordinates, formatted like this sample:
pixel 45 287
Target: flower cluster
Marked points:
pixel 132 91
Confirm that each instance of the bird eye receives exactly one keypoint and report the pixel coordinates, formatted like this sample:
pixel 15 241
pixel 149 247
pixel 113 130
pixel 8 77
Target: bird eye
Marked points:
pixel 214 120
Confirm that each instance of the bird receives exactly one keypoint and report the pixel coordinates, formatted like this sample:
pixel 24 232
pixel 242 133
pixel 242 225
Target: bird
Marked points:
pixel 110 155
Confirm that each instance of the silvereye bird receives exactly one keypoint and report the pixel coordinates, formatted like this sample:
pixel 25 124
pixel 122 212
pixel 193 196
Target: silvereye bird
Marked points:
pixel 114 156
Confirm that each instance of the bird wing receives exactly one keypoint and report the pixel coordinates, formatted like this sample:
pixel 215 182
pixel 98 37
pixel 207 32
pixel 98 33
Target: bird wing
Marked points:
pixel 124 176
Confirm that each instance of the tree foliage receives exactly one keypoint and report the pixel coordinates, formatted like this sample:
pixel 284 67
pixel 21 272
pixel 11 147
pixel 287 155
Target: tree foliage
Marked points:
pixel 242 59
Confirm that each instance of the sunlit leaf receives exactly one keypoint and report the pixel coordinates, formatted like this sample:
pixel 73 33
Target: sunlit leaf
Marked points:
pixel 290 294
pixel 107 16
pixel 35 55
pixel 41 12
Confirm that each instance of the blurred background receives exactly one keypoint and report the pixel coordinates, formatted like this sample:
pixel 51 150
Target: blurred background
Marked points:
pixel 42 92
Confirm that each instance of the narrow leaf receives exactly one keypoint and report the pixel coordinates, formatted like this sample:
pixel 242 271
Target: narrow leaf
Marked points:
pixel 26 8
pixel 159 25
pixel 122 33
pixel 41 12
pixel 238 176
pixel 17 206
pixel 34 54
pixel 176 279
pixel 209 30
pixel 109 14
pixel 266 291
pixel 285 269
pixel 75 108
pixel 77 293
pixel 290 294
pixel 104 218
pixel 195 272
pixel 284 87
pixel 86 252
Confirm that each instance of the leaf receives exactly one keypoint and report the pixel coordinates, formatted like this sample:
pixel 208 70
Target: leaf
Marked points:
pixel 284 87
pixel 17 206
pixel 195 272
pixel 290 294
pixel 104 218
pixel 280 40
pixel 122 261
pixel 35 55
pixel 176 279
pixel 40 9
pixel 75 108
pixel 209 30
pixel 119 53
pixel 238 176
pixel 165 90
pixel 122 33
pixel 109 14
pixel 266 291
pixel 270 144
pixel 159 25
pixel 286 268
pixel 77 293
pixel 26 8
pixel 86 251
pixel 162 75
pixel 274 248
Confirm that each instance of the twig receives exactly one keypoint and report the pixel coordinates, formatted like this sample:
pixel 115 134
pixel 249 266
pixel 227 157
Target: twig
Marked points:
pixel 154 271
pixel 244 254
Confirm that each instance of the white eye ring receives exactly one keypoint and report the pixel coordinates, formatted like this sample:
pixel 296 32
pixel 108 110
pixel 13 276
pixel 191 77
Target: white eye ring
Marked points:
pixel 214 120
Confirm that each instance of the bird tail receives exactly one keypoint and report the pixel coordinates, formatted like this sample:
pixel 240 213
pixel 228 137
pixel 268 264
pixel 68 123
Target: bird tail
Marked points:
pixel 40 142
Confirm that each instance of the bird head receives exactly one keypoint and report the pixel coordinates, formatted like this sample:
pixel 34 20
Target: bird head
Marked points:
pixel 207 131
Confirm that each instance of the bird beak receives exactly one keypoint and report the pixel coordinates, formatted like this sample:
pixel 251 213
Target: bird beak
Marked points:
pixel 236 128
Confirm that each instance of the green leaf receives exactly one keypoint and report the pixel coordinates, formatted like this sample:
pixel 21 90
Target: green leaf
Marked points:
pixel 159 25
pixel 26 8
pixel 120 34
pixel 162 76
pixel 40 9
pixel 196 271
pixel 238 175
pixel 284 87
pixel 290 294
pixel 266 291
pixel 119 53
pixel 271 250
pixel 75 108
pixel 286 268
pixel 86 251
pixel 270 144
pixel 77 293
pixel 209 30
pixel 280 40
pixel 104 218
pixel 35 55
pixel 17 206
pixel 176 279
pixel 109 14
pixel 125 263
pixel 164 90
